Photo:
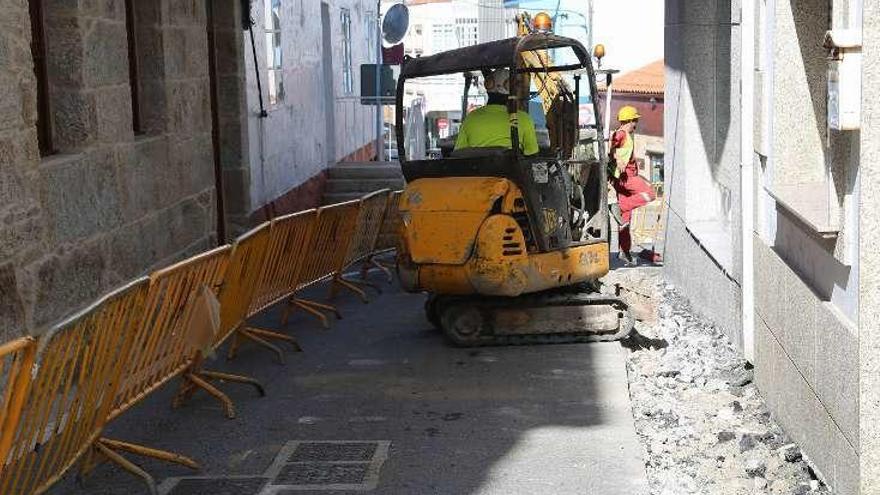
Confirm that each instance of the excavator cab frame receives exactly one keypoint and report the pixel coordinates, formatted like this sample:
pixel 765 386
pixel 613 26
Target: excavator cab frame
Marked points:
pixel 510 248
pixel 555 188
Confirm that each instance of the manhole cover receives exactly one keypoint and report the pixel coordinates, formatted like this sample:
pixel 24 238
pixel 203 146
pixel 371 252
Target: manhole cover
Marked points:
pixel 322 474
pixel 329 452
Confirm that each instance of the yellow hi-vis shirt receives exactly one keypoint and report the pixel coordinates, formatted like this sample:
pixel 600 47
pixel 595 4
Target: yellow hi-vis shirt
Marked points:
pixel 489 126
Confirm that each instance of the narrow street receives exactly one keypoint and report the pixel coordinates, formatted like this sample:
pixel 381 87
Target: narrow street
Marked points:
pixel 416 416
pixel 171 169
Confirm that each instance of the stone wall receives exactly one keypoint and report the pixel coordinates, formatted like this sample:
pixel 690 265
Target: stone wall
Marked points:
pixel 107 206
pixel 229 39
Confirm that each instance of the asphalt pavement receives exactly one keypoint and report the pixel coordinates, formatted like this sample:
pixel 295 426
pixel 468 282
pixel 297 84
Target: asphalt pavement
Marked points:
pixel 381 403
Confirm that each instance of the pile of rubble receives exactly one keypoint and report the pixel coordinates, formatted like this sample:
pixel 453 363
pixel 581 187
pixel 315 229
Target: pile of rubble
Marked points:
pixel 704 425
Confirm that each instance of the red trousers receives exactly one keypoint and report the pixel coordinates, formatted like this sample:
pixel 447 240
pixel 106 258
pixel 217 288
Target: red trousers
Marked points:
pixel 631 190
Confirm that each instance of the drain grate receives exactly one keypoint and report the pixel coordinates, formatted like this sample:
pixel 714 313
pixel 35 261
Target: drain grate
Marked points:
pixel 326 465
pixel 199 485
pixel 329 452
pixel 322 474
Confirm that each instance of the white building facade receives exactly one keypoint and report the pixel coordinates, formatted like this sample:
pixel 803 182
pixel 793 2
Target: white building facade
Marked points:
pixel 307 75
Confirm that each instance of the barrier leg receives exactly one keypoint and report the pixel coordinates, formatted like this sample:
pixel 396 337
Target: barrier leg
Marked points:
pixel 130 467
pixel 311 307
pixel 260 334
pixel 355 286
pixel 162 455
pixel 386 270
pixel 261 337
pixel 108 448
pixel 228 377
pixel 203 384
pixel 338 281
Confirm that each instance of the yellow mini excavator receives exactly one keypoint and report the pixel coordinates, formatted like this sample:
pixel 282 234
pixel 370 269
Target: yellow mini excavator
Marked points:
pixel 510 248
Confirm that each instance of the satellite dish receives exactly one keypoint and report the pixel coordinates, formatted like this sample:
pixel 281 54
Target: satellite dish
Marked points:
pixel 395 23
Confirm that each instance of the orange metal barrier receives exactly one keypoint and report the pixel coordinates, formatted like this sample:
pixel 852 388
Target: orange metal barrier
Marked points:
pixel 241 285
pixel 96 365
pixel 323 254
pixel 241 275
pixel 390 224
pixel 648 221
pixel 78 366
pixel 288 237
pixel 161 348
pixel 363 242
pixel 290 234
pixel 167 342
pixel 16 363
pixel 388 233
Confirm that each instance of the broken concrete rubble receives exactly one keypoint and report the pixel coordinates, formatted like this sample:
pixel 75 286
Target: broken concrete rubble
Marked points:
pixel 705 426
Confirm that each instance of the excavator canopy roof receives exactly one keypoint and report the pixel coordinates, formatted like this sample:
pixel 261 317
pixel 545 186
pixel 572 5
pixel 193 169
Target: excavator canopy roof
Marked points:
pixel 491 55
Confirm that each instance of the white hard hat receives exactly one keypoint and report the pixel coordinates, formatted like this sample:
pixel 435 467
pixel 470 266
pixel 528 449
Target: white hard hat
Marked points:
pixel 498 82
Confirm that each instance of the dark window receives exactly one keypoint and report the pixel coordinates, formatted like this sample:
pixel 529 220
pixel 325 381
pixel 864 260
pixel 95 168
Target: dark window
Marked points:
pixel 133 78
pixel 41 70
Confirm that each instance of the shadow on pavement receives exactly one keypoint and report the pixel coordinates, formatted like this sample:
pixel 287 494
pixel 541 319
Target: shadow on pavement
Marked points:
pixel 491 420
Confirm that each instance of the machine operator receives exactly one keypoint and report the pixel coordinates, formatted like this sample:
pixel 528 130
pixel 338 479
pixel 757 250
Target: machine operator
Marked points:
pixel 489 126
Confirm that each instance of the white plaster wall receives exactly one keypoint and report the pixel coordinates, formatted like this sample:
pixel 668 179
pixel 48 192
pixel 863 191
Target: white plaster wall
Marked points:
pixel 290 145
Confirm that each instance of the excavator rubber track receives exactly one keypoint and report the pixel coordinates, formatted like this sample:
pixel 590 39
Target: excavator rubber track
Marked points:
pixel 552 317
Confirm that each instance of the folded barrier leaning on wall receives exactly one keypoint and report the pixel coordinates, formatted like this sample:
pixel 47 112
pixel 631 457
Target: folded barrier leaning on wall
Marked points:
pixel 77 369
pixel 362 243
pixel 288 237
pixel 324 252
pixel 16 364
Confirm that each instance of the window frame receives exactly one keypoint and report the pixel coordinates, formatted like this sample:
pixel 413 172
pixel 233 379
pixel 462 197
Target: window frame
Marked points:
pixel 370 24
pixel 347 56
pixel 274 40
